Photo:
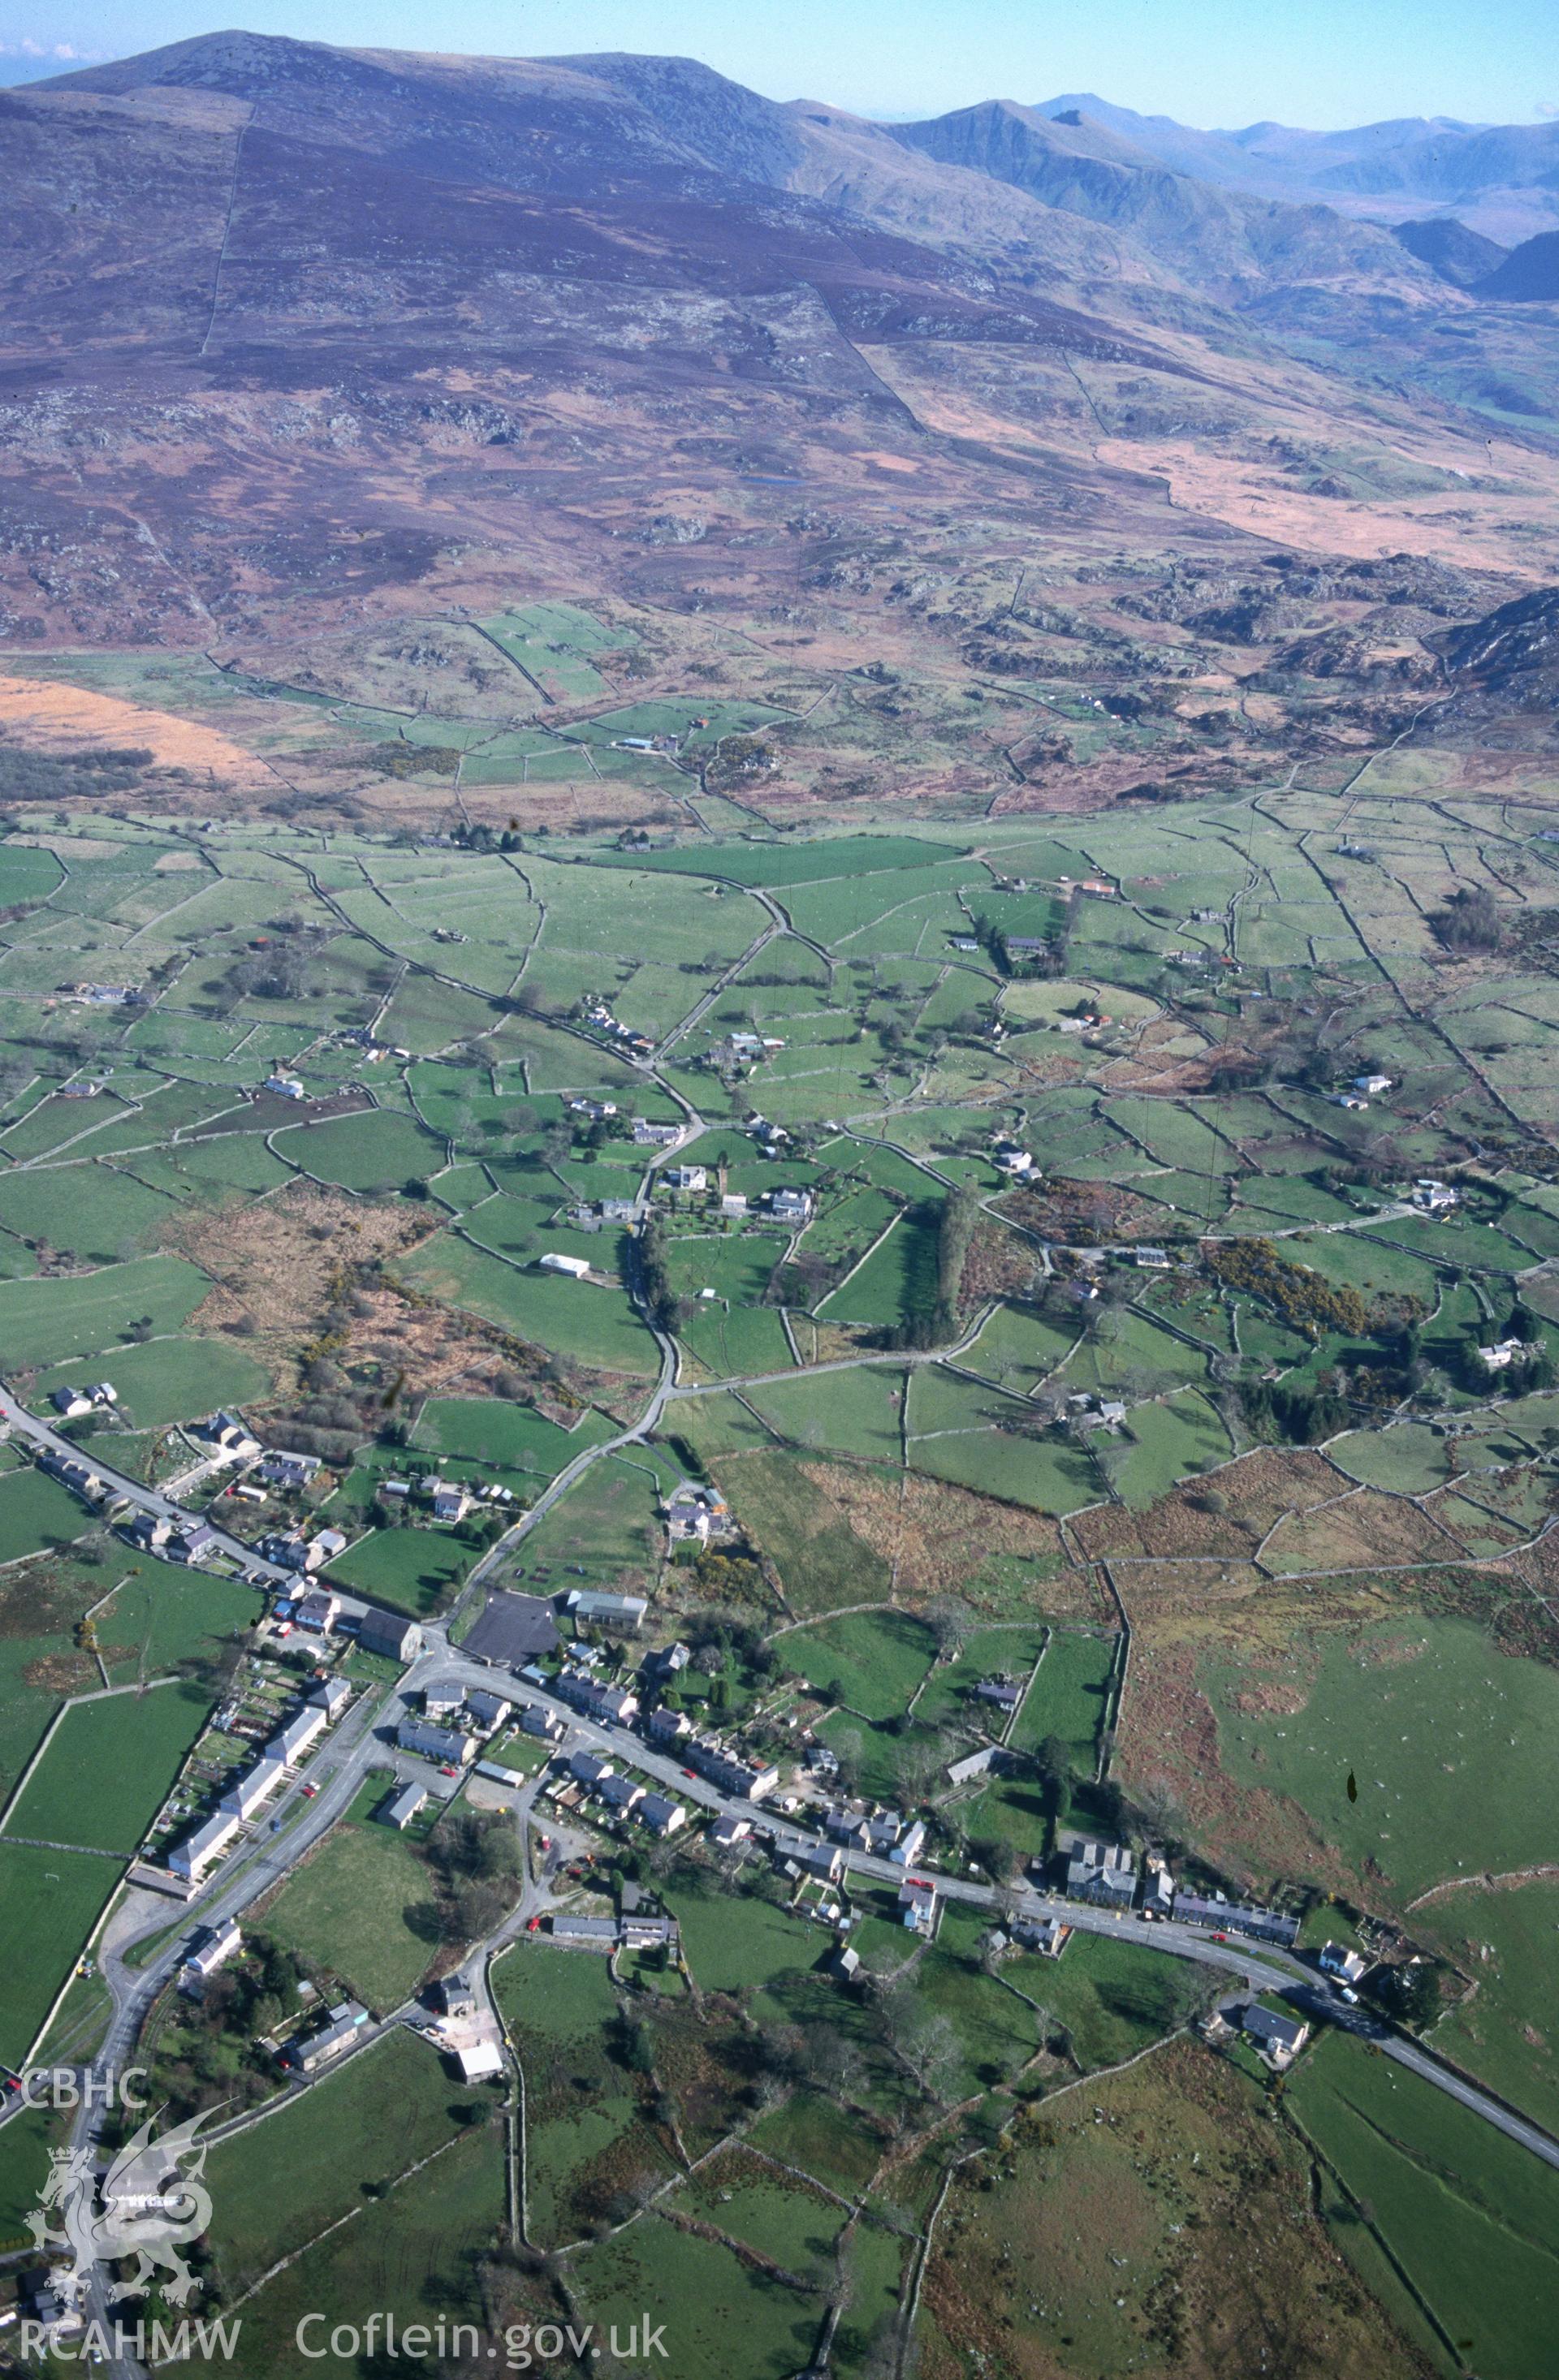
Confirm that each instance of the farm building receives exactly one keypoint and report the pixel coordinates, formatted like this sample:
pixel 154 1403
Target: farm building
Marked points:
pixel 586 1933
pixel 577 1268
pixel 621 1612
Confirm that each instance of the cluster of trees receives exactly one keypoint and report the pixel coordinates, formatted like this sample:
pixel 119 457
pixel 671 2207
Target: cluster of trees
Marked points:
pixel 396 759
pixel 69 776
pixel 1469 921
pixel 211 2053
pixel 475 1858
pixel 933 1318
pixel 1306 1299
pixel 655 1280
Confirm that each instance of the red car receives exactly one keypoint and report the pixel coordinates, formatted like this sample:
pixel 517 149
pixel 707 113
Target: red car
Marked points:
pixel 534 1922
pixel 690 1772
pixel 1219 1938
pixel 449 1769
pixel 310 1792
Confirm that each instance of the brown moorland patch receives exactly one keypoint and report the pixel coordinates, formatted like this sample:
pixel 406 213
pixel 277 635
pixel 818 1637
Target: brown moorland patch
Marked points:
pixel 1154 2221
pixel 939 1540
pixel 1359 1532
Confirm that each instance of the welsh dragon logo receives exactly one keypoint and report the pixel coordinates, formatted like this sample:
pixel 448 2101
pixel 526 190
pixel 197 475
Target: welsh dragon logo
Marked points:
pixel 147 2205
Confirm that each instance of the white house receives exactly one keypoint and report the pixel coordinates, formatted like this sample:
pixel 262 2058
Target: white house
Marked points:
pixel 687 1177
pixel 286 1087
pixel 1505 1352
pixel 1345 1964
pixel 211 1950
pixel 1371 1085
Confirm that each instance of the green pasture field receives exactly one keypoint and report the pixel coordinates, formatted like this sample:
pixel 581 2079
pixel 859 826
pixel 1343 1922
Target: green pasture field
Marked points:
pixel 850 1412
pixel 509 1438
pixel 896 1282
pixel 585 2131
pixel 160 1615
pixel 740 1943
pixel 52 1900
pixel 164 1380
pixel 872 1661
pixel 41 1321
pixel 109 1767
pixel 415 1569
pixel 735 2324
pixel 597 1325
pixel 54 1121
pixel 947 1696
pixel 822 2138
pixel 363 1152
pixel 1017 1350
pixel 27 2143
pixel 1409 1457
pixel 224 1165
pixel 1455 1748
pixel 1068 1695
pixel 1506 2030
pixel 35 1511
pixel 798 861
pixel 1167 1440
pixel 1471 2218
pixel 98 1214
pixel 369 2121
pixel 28 873
pixel 606 911
pixel 742 2195
pixel 360 1905
pixel 956 1433
pixel 821 1561
pixel 412 2256
pixel 736 1342
pixel 609 1519
pixel 40 1604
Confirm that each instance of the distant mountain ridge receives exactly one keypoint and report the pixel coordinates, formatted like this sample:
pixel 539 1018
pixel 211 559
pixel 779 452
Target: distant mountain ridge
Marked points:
pixel 1502 180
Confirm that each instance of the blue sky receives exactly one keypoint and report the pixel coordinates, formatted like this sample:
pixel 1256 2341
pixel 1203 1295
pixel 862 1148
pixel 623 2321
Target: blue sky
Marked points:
pixel 1321 63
